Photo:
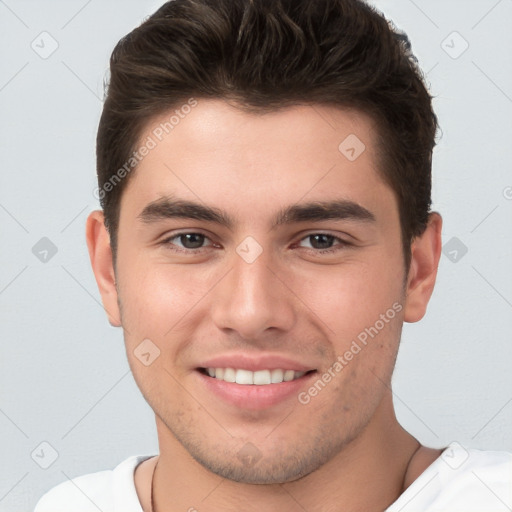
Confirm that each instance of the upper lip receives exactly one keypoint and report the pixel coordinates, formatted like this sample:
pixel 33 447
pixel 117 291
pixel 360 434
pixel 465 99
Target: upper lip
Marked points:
pixel 255 363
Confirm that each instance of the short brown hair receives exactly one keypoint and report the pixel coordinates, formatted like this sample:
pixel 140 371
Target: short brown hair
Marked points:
pixel 266 55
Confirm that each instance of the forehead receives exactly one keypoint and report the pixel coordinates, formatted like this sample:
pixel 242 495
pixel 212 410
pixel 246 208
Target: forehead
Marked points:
pixel 302 130
pixel 217 153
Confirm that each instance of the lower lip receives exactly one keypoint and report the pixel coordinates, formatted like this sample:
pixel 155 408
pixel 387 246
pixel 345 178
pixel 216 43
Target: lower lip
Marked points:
pixel 254 397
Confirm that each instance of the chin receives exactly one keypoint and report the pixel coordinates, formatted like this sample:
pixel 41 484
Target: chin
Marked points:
pixel 273 464
pixel 263 471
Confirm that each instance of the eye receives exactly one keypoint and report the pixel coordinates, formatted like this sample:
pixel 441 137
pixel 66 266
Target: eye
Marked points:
pixel 323 243
pixel 319 243
pixel 184 242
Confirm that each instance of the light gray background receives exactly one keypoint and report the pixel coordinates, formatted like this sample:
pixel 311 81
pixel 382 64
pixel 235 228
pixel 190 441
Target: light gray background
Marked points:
pixel 64 378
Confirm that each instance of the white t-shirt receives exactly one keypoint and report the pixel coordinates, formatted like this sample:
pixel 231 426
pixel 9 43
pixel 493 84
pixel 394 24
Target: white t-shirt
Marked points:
pixel 460 480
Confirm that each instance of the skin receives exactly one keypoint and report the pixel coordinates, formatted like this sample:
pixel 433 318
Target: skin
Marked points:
pixel 290 301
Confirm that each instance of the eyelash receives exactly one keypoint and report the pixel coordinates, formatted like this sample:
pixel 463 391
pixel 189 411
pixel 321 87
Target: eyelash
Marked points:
pixel 341 243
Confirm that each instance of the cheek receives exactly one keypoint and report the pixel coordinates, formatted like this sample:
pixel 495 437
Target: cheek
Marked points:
pixel 351 297
pixel 155 297
pixel 157 301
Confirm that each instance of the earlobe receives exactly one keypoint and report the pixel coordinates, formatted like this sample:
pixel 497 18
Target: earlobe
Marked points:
pixel 100 254
pixel 426 251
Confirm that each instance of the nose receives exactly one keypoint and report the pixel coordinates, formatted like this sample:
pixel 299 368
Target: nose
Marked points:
pixel 253 299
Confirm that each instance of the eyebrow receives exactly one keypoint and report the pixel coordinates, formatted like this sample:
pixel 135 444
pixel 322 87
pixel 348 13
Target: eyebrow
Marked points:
pixel 315 211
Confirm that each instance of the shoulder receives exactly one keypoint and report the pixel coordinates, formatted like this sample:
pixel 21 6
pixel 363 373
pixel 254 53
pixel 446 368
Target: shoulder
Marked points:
pixel 476 473
pixel 461 480
pixel 83 493
pixel 95 491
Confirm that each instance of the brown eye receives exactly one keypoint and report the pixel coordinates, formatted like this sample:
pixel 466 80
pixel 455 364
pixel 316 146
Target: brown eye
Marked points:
pixel 322 243
pixel 187 242
pixel 191 240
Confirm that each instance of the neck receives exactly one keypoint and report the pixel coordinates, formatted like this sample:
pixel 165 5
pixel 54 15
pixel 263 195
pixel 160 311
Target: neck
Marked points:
pixel 369 474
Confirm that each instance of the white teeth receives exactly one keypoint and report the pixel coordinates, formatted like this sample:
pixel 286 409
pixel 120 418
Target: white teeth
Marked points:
pixel 244 377
pixel 277 376
pixel 260 377
pixel 288 375
pixel 229 375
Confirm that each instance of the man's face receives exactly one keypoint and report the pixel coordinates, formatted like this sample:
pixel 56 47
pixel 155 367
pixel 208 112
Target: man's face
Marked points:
pixel 265 292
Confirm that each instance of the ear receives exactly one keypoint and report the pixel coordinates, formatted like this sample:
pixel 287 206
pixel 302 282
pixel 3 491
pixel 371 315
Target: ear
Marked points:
pixel 426 251
pixel 100 253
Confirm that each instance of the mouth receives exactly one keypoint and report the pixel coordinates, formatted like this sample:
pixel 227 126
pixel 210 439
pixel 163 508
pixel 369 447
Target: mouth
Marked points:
pixel 254 378
pixel 258 389
pixel 254 381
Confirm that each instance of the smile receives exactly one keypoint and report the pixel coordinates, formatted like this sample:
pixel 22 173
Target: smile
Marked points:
pixel 258 378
